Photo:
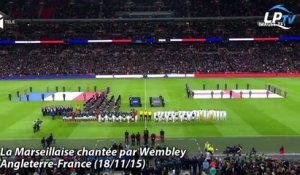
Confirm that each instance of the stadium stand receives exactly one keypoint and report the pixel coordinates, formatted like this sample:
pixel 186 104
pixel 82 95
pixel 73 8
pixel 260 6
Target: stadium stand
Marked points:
pixel 142 29
pixel 153 58
pixel 130 8
pixel 166 58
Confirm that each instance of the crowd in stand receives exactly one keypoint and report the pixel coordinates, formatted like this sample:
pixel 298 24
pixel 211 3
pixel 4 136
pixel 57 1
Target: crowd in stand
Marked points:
pixel 142 30
pixel 151 57
pixel 146 58
pixel 121 8
pixel 236 164
pixel 249 164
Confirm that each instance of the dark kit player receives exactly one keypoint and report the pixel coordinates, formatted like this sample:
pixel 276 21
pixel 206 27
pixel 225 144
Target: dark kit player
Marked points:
pixel 126 137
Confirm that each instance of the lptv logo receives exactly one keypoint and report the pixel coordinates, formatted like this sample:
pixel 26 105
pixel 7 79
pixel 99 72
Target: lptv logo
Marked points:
pixel 278 16
pixel 1 22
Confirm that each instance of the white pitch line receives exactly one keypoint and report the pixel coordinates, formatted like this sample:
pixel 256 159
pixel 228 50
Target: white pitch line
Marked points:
pixel 145 104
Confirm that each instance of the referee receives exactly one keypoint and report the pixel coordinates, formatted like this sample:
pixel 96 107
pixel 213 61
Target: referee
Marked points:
pixel 141 115
pixel 149 115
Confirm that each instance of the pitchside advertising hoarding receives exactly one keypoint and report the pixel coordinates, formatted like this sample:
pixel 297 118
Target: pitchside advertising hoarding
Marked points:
pixel 6 21
pixel 278 16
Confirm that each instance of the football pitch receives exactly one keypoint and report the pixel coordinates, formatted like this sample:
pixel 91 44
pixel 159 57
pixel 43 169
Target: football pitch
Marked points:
pixel 259 120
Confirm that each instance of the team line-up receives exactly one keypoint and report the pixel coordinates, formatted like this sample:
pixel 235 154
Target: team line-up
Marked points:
pixel 201 115
pixel 190 115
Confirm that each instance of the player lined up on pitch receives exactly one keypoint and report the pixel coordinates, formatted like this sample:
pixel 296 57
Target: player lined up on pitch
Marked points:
pixel 202 115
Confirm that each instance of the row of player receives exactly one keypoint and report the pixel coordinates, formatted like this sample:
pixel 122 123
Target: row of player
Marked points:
pixel 117 117
pixel 158 116
pixel 190 115
pixel 102 117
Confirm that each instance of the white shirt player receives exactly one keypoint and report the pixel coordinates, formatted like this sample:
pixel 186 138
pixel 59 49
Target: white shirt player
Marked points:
pixel 217 115
pixel 193 114
pixel 223 116
pixel 196 115
pixel 181 115
pixel 100 117
pixel 205 114
pixel 176 116
pixel 185 116
pixel 156 116
pixel 113 117
pixel 159 116
pixel 170 118
pixel 163 116
pixel 166 116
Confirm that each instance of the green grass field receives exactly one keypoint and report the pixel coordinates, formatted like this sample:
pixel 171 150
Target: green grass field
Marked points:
pixel 247 118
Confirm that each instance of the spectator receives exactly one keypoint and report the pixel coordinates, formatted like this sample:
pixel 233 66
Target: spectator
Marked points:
pixel 138 139
pixel 132 139
pixel 126 137
pixel 212 171
pixel 162 136
pixel 167 58
pixel 205 165
pixel 153 137
pixel 109 9
pixel 282 150
pixel 146 136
